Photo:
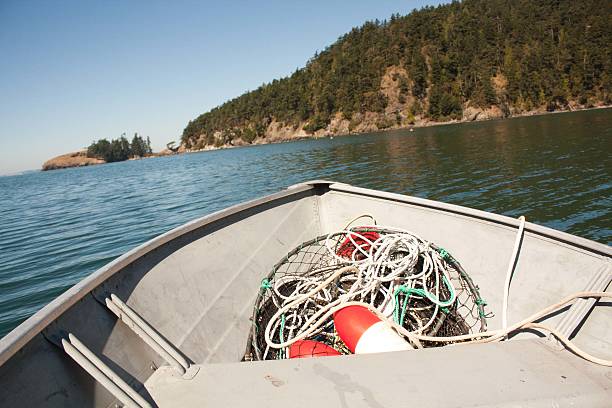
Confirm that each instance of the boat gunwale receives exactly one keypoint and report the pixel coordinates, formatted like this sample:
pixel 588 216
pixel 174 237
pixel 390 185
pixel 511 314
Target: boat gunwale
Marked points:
pixel 27 330
pixel 555 235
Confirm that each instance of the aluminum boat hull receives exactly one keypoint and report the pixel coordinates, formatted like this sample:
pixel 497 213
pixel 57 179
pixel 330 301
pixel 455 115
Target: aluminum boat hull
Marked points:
pixel 196 285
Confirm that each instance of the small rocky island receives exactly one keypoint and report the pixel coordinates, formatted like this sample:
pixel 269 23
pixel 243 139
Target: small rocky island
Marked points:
pixel 104 151
pixel 75 159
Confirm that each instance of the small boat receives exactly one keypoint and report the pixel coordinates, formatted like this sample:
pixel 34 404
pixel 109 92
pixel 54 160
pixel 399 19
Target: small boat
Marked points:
pixel 167 324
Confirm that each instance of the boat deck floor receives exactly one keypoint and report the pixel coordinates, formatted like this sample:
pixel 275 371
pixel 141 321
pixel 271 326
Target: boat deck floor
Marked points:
pixel 522 373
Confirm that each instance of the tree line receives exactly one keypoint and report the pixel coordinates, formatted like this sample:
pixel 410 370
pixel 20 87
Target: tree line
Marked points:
pixel 120 149
pixel 518 55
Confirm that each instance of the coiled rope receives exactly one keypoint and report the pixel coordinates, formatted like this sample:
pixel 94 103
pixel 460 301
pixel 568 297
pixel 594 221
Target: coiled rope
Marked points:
pixel 376 271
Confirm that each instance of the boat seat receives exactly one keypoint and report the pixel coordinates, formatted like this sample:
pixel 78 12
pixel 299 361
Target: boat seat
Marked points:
pixel 102 373
pixel 92 364
pixel 148 334
pixel 526 373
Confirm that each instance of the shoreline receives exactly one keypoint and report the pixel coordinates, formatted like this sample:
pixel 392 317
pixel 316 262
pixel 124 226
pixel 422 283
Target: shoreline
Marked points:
pixel 259 142
pixel 76 159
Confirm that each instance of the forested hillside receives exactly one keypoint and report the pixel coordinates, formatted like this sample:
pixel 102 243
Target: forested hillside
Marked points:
pixel 466 60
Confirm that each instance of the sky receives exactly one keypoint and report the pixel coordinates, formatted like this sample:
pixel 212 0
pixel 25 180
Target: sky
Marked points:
pixel 74 71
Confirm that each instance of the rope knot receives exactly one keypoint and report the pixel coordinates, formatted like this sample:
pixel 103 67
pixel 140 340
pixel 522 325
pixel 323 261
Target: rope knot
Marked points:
pixel 444 253
pixel 265 284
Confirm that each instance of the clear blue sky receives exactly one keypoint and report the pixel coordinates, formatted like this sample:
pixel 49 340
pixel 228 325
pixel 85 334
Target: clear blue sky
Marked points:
pixel 75 71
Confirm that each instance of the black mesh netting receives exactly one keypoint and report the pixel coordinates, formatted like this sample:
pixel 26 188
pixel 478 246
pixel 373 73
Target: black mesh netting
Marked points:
pixel 395 272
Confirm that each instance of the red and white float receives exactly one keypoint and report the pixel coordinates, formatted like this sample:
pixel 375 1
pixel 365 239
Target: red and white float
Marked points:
pixel 364 332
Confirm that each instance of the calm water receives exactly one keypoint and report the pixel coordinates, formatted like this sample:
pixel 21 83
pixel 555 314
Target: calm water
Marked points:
pixel 57 227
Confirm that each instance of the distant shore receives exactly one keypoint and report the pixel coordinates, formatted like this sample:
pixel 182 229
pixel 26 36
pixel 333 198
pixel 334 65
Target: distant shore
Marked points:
pixel 475 116
pixel 80 159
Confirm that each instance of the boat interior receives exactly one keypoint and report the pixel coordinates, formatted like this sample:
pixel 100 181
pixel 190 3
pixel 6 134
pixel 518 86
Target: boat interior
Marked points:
pixel 168 323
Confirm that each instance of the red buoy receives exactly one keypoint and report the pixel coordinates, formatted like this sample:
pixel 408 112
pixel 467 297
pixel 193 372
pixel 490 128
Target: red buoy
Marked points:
pixel 311 348
pixel 364 332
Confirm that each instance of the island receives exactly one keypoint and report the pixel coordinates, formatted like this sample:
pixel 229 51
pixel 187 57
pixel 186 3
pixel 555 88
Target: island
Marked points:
pixel 105 151
pixel 464 61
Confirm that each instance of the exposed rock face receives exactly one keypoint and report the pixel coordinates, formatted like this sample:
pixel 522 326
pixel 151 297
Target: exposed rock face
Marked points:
pixel 75 159
pixel 165 152
pixel 277 132
pixel 391 87
pixel 339 125
pixel 471 113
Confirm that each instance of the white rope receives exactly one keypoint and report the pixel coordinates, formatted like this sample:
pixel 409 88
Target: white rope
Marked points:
pixel 370 216
pixel 390 260
pixel 529 322
pixel 492 335
pixel 511 265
